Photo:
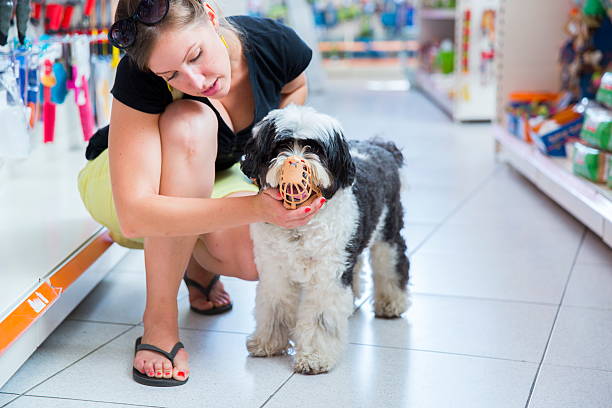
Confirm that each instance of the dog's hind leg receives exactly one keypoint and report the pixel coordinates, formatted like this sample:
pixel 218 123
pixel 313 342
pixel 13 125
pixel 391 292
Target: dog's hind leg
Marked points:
pixel 276 301
pixel 321 329
pixel 390 265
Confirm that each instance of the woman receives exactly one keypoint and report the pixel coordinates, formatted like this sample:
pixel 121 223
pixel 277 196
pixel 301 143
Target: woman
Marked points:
pixel 169 156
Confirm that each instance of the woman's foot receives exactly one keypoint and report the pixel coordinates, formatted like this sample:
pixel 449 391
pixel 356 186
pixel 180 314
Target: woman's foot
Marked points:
pixel 154 364
pixel 218 297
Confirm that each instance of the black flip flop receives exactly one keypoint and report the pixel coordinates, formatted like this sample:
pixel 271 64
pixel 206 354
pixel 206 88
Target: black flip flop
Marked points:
pixel 153 381
pixel 206 291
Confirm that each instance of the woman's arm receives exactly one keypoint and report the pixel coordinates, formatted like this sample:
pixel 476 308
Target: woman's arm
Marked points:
pixel 135 166
pixel 295 91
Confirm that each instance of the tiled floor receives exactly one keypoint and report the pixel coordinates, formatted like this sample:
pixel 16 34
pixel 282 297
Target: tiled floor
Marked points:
pixel 512 300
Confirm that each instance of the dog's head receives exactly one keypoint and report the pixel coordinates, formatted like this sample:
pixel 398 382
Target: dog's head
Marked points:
pixel 299 131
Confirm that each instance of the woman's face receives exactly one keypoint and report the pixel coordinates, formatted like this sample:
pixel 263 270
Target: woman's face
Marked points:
pixel 193 60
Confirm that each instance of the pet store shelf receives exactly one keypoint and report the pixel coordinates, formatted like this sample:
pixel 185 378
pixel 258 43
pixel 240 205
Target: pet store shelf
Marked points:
pixel 437 87
pixel 438 14
pixel 52 253
pixel 471 28
pixel 588 202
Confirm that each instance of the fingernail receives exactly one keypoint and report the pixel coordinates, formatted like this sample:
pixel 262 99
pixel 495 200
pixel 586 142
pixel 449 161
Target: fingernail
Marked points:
pixel 323 201
pixel 181 373
pixel 307 210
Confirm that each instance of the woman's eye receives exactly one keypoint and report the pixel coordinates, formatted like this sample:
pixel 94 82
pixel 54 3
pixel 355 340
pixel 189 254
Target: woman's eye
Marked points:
pixel 173 76
pixel 197 56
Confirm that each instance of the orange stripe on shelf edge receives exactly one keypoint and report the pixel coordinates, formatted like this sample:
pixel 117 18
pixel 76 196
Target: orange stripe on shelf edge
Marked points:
pixel 48 292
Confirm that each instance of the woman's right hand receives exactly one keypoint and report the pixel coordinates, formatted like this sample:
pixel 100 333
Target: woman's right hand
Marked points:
pixel 272 210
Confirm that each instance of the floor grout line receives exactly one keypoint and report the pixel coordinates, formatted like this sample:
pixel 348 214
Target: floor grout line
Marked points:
pixel 554 323
pixel 76 361
pixel 442 352
pixel 277 390
pixel 468 197
pixel 478 298
pixel 99 401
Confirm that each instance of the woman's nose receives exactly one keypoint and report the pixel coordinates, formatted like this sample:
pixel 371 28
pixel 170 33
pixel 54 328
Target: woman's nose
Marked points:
pixel 196 80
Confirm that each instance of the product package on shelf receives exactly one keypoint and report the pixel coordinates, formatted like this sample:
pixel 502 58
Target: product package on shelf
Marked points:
pixel 590 162
pixel 597 129
pixel 544 119
pixel 604 94
pixel 610 170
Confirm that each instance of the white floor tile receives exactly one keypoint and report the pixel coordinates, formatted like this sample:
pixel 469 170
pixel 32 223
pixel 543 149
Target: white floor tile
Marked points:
pixel 4 398
pixel 378 377
pixel 221 375
pixel 68 343
pixel 118 298
pixel 416 233
pixel 594 251
pixel 569 387
pixel 581 338
pixel 515 331
pixel 561 241
pixel 133 262
pixel 239 319
pixel 590 286
pixel 520 276
pixel 46 402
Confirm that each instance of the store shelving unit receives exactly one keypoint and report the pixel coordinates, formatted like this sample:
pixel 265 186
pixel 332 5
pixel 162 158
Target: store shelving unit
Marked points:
pixel 52 253
pixel 528 47
pixel 463 95
pixel 438 14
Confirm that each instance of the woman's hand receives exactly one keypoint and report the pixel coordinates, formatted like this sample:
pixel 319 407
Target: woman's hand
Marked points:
pixel 272 210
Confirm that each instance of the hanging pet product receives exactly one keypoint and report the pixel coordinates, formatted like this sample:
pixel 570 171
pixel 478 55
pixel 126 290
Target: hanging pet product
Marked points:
pixel 23 15
pixel 487 46
pixel 15 141
pixel 465 42
pixel 6 13
pixel 297 184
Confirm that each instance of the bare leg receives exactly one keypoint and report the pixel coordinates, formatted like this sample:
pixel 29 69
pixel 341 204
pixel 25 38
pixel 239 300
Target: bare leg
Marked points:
pixel 188 147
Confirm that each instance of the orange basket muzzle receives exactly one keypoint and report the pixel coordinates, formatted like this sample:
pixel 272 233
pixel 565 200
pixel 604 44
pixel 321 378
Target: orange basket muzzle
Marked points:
pixel 297 185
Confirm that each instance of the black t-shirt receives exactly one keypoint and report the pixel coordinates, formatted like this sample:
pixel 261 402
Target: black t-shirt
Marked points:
pixel 275 56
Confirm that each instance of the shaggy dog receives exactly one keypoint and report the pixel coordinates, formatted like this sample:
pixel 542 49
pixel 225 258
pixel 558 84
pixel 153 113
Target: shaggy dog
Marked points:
pixel 308 275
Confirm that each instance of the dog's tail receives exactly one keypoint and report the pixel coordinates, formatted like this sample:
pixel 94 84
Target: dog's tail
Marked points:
pixel 390 147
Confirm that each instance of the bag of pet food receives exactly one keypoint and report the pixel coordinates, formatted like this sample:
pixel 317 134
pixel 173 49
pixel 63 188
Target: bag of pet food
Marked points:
pixel 604 94
pixel 597 128
pixel 589 162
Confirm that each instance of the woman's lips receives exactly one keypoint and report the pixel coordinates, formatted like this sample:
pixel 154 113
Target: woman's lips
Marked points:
pixel 213 89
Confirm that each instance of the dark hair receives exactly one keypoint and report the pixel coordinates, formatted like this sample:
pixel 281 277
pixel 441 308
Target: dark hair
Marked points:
pixel 182 13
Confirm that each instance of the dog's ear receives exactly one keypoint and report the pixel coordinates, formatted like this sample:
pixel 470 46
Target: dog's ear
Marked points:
pixel 256 159
pixel 339 163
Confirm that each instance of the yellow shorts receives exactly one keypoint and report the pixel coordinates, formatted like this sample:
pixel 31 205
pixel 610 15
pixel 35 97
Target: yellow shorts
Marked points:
pixel 96 193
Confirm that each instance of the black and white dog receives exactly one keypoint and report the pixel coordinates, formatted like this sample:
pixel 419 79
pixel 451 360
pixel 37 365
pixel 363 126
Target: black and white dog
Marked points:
pixel 306 274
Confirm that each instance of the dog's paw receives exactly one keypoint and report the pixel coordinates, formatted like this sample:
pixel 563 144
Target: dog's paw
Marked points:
pixel 313 363
pixel 259 348
pixel 391 307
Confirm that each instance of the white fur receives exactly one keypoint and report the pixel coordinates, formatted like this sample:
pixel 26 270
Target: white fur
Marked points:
pixel 389 299
pixel 304 122
pixel 300 294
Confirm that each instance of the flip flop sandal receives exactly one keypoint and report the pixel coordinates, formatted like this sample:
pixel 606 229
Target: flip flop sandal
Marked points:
pixel 153 381
pixel 206 292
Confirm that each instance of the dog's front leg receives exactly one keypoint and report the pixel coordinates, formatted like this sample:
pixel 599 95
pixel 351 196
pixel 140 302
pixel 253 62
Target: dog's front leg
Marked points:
pixel 321 329
pixel 275 307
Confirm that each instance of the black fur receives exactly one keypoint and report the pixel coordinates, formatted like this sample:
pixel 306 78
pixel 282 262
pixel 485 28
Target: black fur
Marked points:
pixel 337 159
pixel 377 186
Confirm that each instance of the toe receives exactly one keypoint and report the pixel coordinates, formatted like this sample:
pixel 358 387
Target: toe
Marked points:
pixel 159 369
pixel 139 365
pixel 148 368
pixel 167 366
pixel 180 374
pixel 181 366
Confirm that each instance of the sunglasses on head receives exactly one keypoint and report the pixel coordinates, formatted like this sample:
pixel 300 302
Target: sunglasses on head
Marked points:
pixel 122 33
